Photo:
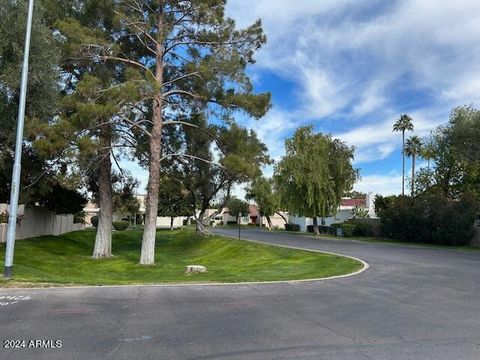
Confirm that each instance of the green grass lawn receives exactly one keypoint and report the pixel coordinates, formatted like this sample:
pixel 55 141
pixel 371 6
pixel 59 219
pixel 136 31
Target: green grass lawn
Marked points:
pixel 67 259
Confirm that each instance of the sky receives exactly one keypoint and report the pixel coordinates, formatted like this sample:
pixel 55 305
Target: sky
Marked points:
pixel 352 67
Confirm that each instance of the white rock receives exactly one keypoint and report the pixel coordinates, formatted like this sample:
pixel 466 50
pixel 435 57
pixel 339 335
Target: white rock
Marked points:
pixel 195 269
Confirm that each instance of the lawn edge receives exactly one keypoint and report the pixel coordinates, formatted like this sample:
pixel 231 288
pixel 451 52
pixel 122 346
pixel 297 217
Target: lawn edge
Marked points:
pixel 366 266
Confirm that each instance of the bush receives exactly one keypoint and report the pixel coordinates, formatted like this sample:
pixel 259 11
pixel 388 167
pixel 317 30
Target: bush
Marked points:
pixel 4 217
pixel 120 225
pixel 348 229
pixel 94 220
pixel 292 227
pixel 430 218
pixel 79 218
pixel 232 222
pixel 331 230
pixel 365 227
pixel 310 228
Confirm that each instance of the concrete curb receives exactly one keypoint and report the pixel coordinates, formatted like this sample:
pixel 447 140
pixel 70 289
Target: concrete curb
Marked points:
pixel 364 268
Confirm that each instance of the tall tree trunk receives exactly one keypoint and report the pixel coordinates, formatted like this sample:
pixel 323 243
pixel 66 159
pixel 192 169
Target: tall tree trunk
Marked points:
pixel 171 223
pixel 413 175
pixel 103 238
pixel 315 226
pixel 403 162
pixel 270 225
pixel 200 226
pixel 147 256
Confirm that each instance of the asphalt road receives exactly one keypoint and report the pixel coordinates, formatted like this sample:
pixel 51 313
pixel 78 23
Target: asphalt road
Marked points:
pixel 412 303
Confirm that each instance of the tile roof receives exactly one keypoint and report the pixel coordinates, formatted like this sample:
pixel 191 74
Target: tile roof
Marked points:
pixel 353 202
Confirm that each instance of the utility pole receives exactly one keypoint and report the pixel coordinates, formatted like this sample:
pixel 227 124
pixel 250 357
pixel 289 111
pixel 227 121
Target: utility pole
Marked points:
pixel 17 165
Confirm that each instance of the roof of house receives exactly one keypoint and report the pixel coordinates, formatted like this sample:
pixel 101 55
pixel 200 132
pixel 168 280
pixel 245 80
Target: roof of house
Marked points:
pixel 353 202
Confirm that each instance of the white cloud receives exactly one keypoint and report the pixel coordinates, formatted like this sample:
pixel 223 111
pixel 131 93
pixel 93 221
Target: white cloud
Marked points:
pixel 380 184
pixel 376 141
pixel 273 128
pixel 363 63
pixel 355 54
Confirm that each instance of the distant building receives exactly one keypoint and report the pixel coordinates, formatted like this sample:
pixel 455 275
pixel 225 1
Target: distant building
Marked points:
pixel 344 212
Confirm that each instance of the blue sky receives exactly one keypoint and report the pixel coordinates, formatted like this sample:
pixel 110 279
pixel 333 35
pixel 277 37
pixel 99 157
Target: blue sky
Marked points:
pixel 352 67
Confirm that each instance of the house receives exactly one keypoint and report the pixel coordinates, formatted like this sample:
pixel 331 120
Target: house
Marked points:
pixel 253 217
pixel 277 220
pixel 224 218
pixel 344 212
pixel 91 209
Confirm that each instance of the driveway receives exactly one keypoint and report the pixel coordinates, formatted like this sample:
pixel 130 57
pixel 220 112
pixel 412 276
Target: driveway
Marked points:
pixel 412 303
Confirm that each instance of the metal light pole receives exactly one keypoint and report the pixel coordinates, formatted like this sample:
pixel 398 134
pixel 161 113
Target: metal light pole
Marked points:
pixel 239 221
pixel 17 165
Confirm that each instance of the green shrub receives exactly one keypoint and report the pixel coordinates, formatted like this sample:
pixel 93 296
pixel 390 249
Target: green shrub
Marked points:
pixel 79 217
pixel 430 218
pixel 94 220
pixel 232 222
pixel 4 217
pixel 365 227
pixel 292 227
pixel 120 225
pixel 331 230
pixel 348 229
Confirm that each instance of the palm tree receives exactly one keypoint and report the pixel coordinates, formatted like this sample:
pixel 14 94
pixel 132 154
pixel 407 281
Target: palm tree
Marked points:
pixel 403 124
pixel 413 147
pixel 428 151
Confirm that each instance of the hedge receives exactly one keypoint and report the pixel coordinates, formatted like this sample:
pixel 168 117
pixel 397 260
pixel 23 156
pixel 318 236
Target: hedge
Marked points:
pixel 365 227
pixel 348 229
pixel 120 225
pixel 292 227
pixel 430 218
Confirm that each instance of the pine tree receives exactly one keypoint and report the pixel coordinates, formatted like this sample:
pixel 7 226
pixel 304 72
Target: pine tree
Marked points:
pixel 181 55
pixel 86 128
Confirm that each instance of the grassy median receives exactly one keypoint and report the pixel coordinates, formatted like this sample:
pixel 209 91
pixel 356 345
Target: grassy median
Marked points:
pixel 67 259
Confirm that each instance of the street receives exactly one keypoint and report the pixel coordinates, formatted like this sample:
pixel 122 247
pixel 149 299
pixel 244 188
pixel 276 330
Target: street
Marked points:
pixel 412 303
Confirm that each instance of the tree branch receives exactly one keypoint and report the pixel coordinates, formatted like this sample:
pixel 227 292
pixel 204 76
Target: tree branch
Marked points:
pixel 195 158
